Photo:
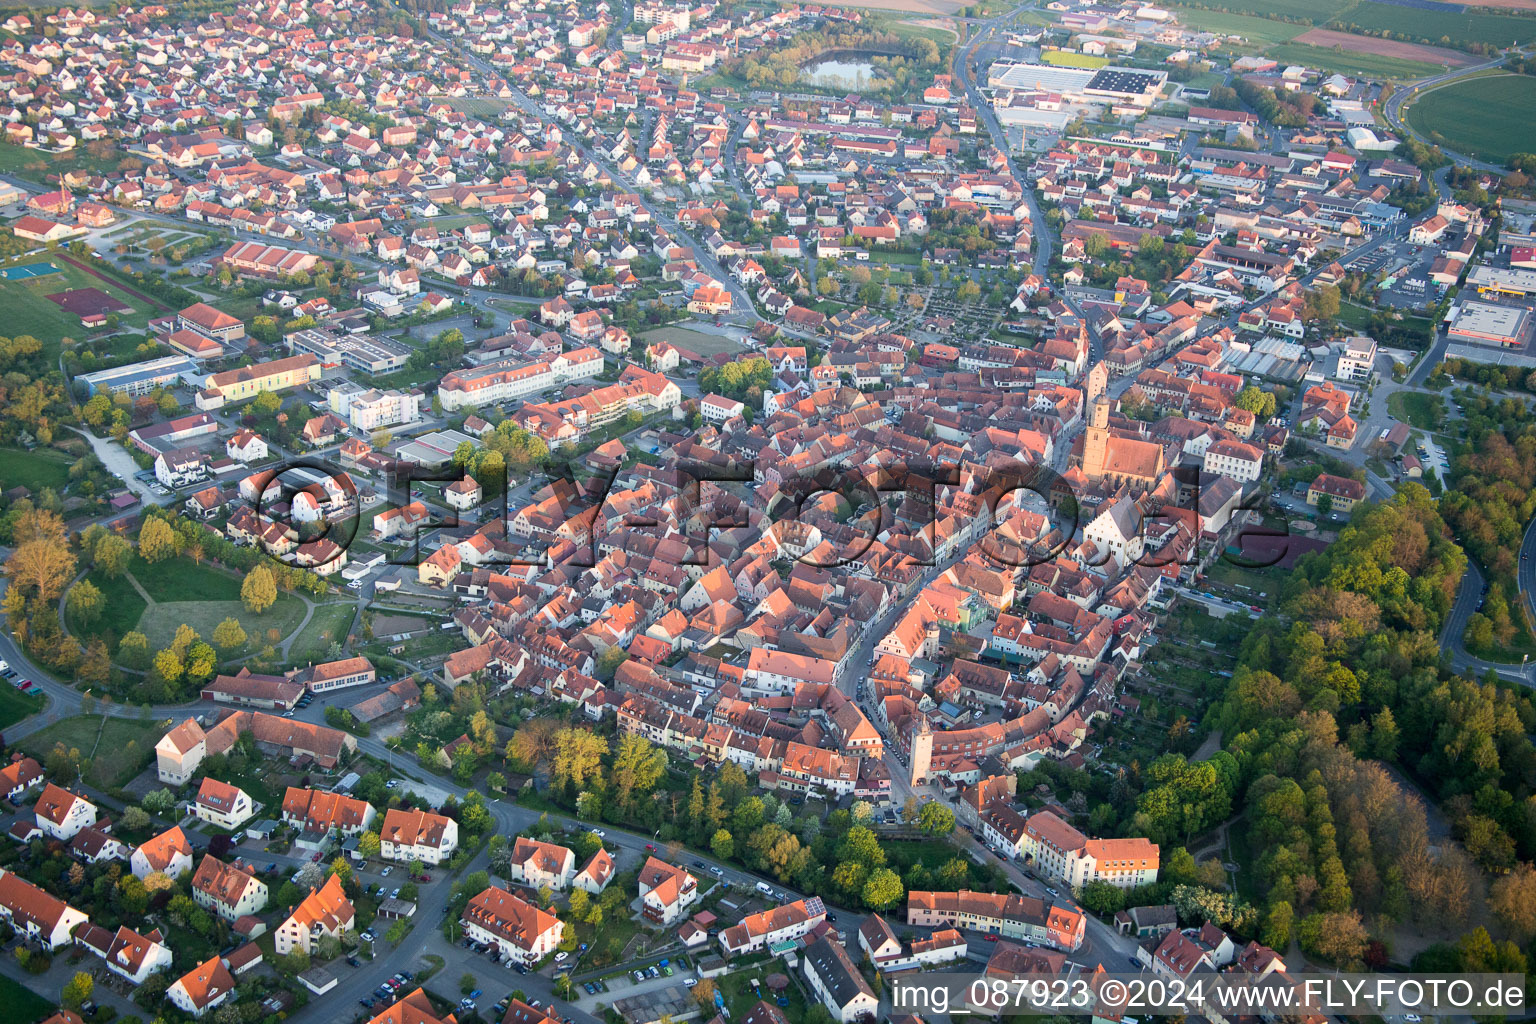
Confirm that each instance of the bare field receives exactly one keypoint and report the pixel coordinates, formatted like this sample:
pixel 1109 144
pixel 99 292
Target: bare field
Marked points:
pixel 1386 47
pixel 910 6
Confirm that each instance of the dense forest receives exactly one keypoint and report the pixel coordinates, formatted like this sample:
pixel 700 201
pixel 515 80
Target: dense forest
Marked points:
pixel 1338 710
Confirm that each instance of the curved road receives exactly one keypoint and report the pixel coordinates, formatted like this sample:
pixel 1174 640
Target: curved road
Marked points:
pixel 1393 109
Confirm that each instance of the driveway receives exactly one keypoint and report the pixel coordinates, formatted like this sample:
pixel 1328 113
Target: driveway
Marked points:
pixel 121 464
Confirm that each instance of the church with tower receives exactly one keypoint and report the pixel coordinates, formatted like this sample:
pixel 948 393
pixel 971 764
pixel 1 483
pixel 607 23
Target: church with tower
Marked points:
pixel 1107 457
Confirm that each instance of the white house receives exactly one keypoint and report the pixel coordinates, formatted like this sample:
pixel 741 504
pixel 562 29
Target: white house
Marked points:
pixel 666 891
pixel 203 988
pixel 520 930
pixel 409 835
pixel 61 814
pixel 833 978
pixel 219 803
pixel 169 853
pixel 536 864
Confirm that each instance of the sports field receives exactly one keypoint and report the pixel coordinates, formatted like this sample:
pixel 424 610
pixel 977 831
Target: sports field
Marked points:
pixel 28 309
pixel 1488 118
pixel 1067 59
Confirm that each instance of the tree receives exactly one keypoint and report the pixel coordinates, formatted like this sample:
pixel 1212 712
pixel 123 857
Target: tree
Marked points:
pixel 266 403
pixel 1260 403
pixel 157 541
pixel 112 555
pixel 580 903
pixel 134 819
pixel 883 890
pixel 368 845
pixel 85 601
pixel 638 766
pixel 467 983
pixel 1338 938
pixel 77 990
pixel 229 635
pixel 259 591
pixel 609 661
pixel 722 845
pixel 936 819
pixel 1277 925
pixel 1512 898
pixel 42 566
pixel 1103 897
pixel 577 757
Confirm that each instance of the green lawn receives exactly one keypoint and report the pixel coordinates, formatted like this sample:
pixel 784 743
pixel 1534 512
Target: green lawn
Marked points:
pixel 182 579
pixel 15 705
pixel 121 608
pixel 35 165
pixel 741 996
pixel 26 1006
pixel 1259 31
pixel 35 469
pixel 160 622
pixel 329 622
pixel 126 745
pixel 1489 117
pixel 1418 410
pixel 28 311
pixel 1316 11
pixel 1365 65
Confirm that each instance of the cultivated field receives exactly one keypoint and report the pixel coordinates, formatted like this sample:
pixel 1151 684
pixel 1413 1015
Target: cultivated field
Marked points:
pixel 1488 117
pixel 1384 47
pixel 1468 26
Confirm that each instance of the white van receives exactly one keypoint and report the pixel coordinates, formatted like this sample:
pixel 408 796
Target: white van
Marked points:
pixel 765 888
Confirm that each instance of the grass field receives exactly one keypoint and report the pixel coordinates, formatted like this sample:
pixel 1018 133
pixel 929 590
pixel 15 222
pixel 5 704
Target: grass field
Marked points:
pixel 28 311
pixel 15 705
pixel 1313 10
pixel 184 592
pixel 695 341
pixel 35 165
pixel 1067 59
pixel 35 469
pixel 25 1005
pixel 1257 30
pixel 126 745
pixel 1418 410
pixel 1416 23
pixel 329 622
pixel 121 608
pixel 1347 62
pixel 1488 118
pixel 181 579
pixel 160 622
